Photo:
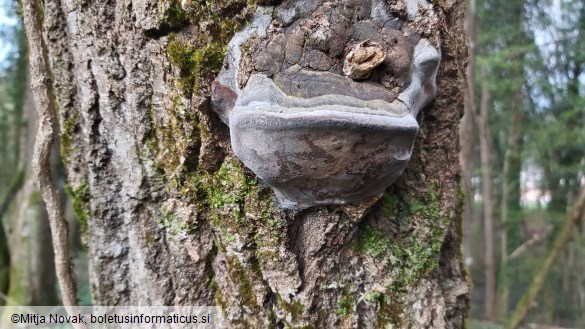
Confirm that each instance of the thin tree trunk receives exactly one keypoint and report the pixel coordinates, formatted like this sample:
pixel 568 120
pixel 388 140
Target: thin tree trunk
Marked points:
pixel 171 208
pixel 11 192
pixel 564 235
pixel 43 94
pixel 32 269
pixel 511 150
pixel 4 264
pixel 467 133
pixel 489 261
pixel 9 197
pixel 4 133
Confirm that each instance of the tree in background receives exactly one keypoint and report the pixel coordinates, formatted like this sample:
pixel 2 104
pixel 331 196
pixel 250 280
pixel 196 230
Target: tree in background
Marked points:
pixel 532 54
pixel 25 239
pixel 12 86
pixel 557 128
pixel 496 94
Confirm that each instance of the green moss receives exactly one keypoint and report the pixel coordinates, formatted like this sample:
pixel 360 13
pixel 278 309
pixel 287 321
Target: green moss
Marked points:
pixel 427 206
pixel 418 258
pixel 219 299
pixel 237 206
pixel 80 203
pixel 346 304
pixel 373 242
pixel 166 218
pixel 67 132
pixel 295 309
pixel 240 276
pixel 231 188
pixel 232 201
pixel 236 203
pixel 372 297
pixel 195 61
pixel 175 17
pixel 173 223
pixel 389 204
pixel 246 290
pixel 412 253
pixel 199 57
pixel 174 144
pixel 390 313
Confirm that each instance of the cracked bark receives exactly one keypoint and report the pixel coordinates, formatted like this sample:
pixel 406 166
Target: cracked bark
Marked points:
pixel 175 219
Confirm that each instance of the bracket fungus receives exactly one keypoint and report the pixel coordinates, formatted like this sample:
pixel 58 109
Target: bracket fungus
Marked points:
pixel 321 98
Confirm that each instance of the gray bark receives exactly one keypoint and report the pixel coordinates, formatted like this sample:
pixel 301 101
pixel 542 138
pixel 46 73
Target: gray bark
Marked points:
pixel 175 218
pixel 42 169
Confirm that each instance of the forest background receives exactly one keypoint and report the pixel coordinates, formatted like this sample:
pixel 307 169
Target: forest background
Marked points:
pixel 522 154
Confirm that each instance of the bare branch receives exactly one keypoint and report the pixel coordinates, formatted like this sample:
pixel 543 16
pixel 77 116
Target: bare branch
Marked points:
pixel 536 238
pixel 42 89
pixel 576 214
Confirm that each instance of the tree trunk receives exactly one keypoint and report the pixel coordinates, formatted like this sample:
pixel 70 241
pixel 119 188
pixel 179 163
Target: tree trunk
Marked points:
pixel 176 219
pixel 4 264
pixel 488 220
pixel 467 135
pixel 32 270
pixel 512 148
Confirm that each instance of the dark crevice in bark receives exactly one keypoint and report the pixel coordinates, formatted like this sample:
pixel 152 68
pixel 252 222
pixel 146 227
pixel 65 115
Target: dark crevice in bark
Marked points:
pixel 294 237
pixel 163 30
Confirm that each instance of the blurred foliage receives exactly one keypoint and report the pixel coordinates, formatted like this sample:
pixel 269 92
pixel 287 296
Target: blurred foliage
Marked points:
pixel 531 53
pixel 13 75
pixel 13 80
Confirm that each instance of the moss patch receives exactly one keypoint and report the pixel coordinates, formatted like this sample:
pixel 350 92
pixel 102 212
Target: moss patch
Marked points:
pixel 174 142
pixel 346 304
pixel 411 254
pixel 80 203
pixel 199 55
pixel 173 224
pixel 295 309
pixel 195 62
pixel 373 242
pixel 67 131
pixel 174 17
pixel 233 202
